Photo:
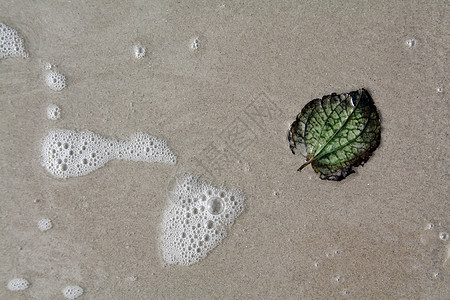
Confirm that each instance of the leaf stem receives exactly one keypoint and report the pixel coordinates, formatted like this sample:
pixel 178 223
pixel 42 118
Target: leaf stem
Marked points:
pixel 305 164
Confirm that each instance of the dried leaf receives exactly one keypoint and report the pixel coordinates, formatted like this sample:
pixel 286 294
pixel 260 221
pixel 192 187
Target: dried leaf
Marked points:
pixel 336 133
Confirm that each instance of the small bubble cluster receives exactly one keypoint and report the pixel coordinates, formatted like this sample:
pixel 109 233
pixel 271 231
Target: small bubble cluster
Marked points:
pixel 11 44
pixel 196 219
pixel 72 292
pixel 53 112
pixel 139 51
pixel 131 278
pixel 195 43
pixel 48 66
pixel 45 224
pixel 55 81
pixel 18 284
pixel 69 153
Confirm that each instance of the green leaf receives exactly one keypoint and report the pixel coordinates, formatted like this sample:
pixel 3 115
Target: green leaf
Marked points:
pixel 336 133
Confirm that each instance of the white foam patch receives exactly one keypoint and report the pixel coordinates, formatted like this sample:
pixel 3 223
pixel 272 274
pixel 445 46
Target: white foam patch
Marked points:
pixel 11 44
pixel 55 81
pixel 18 284
pixel 45 224
pixel 53 112
pixel 70 153
pixel 72 292
pixel 195 221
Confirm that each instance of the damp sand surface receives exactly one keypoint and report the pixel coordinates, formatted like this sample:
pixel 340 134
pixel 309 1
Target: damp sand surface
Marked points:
pixel 221 82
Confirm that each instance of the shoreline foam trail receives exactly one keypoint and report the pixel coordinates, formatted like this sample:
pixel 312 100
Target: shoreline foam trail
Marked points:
pixel 71 153
pixel 195 221
pixel 11 43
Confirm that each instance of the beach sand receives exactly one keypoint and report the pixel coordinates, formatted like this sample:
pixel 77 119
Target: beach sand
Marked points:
pixel 221 82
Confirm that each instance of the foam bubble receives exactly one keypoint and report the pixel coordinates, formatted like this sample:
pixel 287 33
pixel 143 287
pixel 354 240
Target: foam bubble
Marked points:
pixel 48 66
pixel 18 284
pixel 11 44
pixel 196 219
pixel 195 43
pixel 139 51
pixel 131 278
pixel 215 205
pixel 53 112
pixel 72 292
pixel 55 81
pixel 70 153
pixel 410 43
pixel 45 224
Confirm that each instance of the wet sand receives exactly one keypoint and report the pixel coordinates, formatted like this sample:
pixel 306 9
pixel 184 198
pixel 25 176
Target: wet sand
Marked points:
pixel 224 108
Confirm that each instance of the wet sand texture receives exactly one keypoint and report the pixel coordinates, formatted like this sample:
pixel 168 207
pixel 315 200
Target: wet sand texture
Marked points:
pixel 221 82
